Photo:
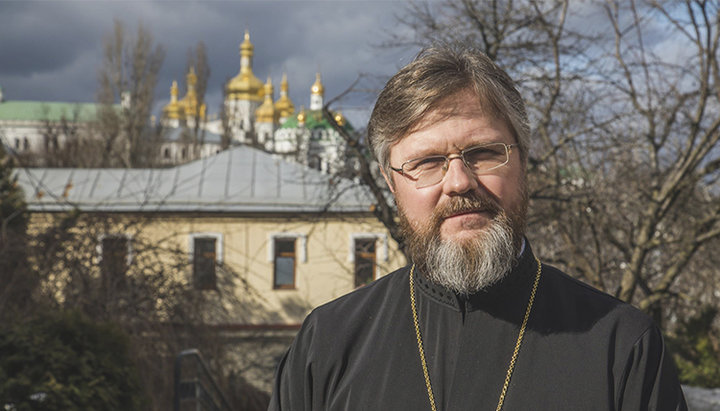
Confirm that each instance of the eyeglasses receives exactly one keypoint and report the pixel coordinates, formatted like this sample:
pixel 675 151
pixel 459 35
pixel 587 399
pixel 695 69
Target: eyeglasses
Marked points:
pixel 426 171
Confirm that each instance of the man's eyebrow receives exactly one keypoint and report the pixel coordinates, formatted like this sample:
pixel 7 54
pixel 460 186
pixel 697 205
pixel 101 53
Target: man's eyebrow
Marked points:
pixel 425 152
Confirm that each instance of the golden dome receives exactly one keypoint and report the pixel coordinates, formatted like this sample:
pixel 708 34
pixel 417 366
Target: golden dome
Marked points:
pixel 173 110
pixel 191 78
pixel 339 119
pixel 266 112
pixel 245 86
pixel 301 116
pixel 284 106
pixel 246 48
pixel 317 88
pixel 189 103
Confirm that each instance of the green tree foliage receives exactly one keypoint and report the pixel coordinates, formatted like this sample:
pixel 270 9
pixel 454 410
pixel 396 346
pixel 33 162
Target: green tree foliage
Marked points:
pixel 15 282
pixel 62 361
pixel 697 350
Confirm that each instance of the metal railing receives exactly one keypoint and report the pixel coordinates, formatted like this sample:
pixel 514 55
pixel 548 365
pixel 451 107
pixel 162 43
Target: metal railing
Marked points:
pixel 199 388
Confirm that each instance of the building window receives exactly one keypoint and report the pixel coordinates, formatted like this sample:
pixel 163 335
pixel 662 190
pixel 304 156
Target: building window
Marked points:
pixel 17 143
pixel 26 143
pixel 166 152
pixel 284 264
pixel 364 261
pixel 365 250
pixel 206 254
pixel 315 162
pixel 115 255
pixel 285 251
pixel 204 263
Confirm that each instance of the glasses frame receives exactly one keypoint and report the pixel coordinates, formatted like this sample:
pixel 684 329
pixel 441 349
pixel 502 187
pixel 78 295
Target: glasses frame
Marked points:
pixel 452 156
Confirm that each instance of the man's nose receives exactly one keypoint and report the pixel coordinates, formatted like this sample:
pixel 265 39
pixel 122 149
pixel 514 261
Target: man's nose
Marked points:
pixel 458 178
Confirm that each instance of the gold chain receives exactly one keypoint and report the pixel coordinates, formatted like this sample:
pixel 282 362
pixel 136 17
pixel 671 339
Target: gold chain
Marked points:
pixel 513 359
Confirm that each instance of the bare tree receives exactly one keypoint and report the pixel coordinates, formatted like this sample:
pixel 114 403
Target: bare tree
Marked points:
pixel 198 63
pixel 668 135
pixel 127 86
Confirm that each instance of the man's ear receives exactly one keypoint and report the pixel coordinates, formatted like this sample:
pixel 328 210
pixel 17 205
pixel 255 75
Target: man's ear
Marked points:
pixel 389 182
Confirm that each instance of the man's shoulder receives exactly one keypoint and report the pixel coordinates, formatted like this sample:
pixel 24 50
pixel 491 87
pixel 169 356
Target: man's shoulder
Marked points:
pixel 578 302
pixel 364 302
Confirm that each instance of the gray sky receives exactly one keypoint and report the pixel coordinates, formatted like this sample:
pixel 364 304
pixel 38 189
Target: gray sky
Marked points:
pixel 52 50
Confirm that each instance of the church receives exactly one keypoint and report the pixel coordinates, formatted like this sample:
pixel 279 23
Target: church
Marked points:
pixel 252 116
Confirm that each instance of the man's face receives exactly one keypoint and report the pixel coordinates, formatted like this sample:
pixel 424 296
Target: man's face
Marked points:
pixel 462 205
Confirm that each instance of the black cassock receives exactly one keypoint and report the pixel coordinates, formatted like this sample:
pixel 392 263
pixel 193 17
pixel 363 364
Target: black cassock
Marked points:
pixel 583 349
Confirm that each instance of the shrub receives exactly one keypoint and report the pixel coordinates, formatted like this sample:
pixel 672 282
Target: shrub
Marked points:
pixel 62 361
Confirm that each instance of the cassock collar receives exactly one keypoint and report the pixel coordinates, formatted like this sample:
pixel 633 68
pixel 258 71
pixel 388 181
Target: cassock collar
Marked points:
pixel 505 297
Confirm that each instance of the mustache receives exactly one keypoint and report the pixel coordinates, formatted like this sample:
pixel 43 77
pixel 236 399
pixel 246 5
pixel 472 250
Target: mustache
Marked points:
pixel 471 202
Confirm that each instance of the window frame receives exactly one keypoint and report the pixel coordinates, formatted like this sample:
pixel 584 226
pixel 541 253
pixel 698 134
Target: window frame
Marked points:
pixel 218 256
pixel 300 256
pixel 367 256
pixel 101 250
pixel 381 250
pixel 129 256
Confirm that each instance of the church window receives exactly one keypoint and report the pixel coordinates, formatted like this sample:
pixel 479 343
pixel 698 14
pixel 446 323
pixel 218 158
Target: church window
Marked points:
pixel 284 266
pixel 17 143
pixel 166 152
pixel 26 143
pixel 314 162
pixel 364 261
pixel 183 153
pixel 206 254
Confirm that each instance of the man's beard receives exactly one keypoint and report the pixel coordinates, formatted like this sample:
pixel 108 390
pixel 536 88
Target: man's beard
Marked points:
pixel 473 264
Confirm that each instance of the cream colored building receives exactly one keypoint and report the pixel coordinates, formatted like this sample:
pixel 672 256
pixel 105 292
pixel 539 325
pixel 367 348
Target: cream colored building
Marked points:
pixel 283 237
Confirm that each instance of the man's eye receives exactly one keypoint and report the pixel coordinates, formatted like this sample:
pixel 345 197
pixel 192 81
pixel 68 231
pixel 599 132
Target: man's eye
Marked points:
pixel 427 163
pixel 483 153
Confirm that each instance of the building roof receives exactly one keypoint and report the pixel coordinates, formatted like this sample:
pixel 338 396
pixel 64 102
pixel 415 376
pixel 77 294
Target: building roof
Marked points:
pixel 178 134
pixel 241 179
pixel 47 111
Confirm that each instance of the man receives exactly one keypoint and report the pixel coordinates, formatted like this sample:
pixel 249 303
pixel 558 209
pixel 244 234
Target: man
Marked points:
pixel 476 321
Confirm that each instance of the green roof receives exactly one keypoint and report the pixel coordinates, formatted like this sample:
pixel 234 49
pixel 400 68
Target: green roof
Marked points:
pixel 313 120
pixel 47 111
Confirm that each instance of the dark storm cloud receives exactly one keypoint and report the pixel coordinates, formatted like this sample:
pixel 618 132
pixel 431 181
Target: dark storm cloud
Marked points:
pixel 53 50
pixel 36 37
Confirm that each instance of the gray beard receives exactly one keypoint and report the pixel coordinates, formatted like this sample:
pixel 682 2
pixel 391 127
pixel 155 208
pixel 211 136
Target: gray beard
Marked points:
pixel 470 265
pixel 474 264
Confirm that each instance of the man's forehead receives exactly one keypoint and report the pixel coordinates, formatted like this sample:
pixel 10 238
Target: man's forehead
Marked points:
pixel 465 103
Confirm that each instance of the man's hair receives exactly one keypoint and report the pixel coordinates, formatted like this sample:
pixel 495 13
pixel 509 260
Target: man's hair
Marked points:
pixel 437 73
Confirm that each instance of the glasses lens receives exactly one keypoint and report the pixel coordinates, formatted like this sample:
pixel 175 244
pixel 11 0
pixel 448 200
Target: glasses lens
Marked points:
pixel 486 157
pixel 425 171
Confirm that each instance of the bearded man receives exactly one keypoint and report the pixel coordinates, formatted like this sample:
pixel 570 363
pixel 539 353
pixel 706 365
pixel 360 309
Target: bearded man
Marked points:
pixel 476 321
